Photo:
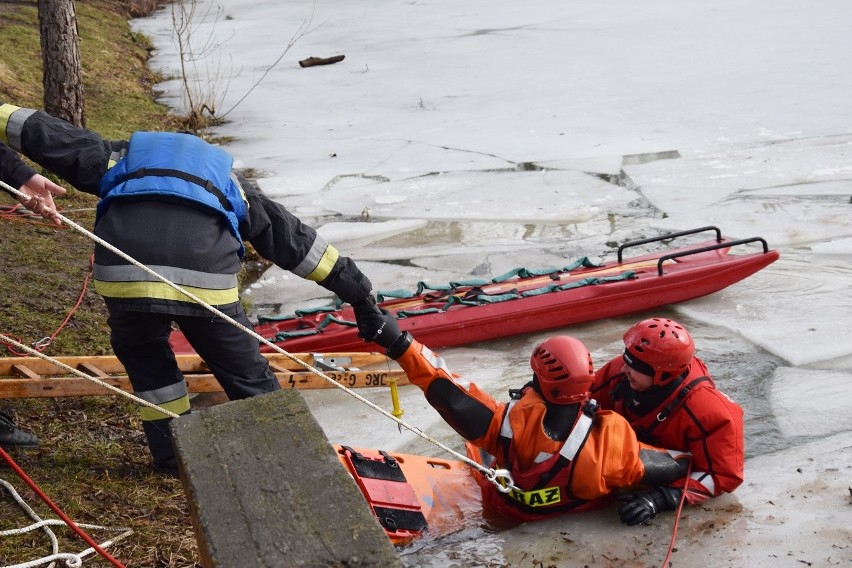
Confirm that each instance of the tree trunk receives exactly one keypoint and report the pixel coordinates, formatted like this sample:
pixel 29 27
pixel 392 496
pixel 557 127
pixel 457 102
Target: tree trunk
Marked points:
pixel 60 54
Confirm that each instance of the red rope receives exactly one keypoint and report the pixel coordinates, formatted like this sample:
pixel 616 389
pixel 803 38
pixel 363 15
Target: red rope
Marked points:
pixel 19 214
pixel 44 342
pixel 58 511
pixel 677 516
pixel 9 346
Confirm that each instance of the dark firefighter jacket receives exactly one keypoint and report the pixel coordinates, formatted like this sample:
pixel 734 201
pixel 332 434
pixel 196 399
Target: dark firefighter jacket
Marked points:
pixel 189 243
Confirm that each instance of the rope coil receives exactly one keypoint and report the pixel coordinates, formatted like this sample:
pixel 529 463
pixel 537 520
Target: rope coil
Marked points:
pixel 72 560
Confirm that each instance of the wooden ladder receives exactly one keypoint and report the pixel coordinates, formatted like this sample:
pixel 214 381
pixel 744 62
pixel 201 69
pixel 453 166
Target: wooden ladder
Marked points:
pixel 31 377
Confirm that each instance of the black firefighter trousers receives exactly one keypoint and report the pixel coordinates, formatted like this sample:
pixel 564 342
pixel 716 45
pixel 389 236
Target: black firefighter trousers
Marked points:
pixel 140 340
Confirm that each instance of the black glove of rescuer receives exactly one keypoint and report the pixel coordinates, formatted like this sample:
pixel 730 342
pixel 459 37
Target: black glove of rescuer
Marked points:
pixel 643 506
pixel 368 316
pixel 380 327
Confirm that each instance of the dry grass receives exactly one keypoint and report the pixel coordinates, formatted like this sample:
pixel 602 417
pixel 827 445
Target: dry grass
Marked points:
pixel 93 462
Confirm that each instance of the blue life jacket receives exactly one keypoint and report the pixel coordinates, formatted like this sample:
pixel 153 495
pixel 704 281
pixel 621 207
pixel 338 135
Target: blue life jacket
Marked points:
pixel 177 165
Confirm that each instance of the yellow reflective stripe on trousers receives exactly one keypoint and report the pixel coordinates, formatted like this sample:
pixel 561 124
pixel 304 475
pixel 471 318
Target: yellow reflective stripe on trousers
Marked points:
pixel 162 291
pixel 178 406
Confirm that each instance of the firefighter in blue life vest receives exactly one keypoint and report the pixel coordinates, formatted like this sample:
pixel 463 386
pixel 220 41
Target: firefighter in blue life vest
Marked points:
pixel 563 453
pixel 40 191
pixel 173 202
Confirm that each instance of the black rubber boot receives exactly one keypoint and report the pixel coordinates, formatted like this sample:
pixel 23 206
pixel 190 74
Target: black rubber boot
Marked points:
pixel 160 443
pixel 13 437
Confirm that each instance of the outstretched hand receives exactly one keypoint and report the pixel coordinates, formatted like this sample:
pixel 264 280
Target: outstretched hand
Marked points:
pixel 40 192
pixel 380 327
pixel 369 318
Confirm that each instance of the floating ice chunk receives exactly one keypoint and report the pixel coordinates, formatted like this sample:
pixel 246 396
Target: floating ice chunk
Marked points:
pixel 812 403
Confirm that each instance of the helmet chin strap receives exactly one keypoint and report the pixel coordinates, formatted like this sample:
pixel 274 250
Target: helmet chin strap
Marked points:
pixel 535 384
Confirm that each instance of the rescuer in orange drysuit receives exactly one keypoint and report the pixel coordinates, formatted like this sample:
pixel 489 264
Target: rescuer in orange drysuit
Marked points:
pixel 666 394
pixel 562 451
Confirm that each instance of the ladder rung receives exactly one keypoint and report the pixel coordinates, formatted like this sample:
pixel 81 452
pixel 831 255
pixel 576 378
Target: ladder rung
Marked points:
pixel 24 371
pixel 92 370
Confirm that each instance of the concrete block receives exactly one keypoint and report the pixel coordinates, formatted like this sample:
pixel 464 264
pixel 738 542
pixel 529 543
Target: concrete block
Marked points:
pixel 266 489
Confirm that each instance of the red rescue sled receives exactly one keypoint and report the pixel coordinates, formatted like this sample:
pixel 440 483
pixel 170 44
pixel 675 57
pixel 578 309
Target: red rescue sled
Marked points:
pixel 528 301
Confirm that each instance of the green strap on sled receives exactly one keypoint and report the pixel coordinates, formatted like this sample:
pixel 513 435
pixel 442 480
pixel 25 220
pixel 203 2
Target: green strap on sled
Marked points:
pixel 495 298
pixel 591 281
pixel 317 310
pixel 423 286
pixel 329 319
pixel 527 273
pixel 524 273
pixel 470 299
pixel 400 294
pixel 584 262
pixel 268 319
pixel 402 314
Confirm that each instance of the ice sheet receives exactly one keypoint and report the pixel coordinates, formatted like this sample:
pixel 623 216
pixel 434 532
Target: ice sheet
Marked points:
pixel 649 117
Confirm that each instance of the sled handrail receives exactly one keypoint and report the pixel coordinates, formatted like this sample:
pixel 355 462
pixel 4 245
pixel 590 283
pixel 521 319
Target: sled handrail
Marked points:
pixel 669 236
pixel 726 244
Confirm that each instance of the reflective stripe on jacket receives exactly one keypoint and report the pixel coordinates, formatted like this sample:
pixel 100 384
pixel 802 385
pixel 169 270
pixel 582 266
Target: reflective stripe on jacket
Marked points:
pixel 546 485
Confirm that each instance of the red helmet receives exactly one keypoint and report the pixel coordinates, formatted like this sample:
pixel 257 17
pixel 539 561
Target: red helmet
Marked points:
pixel 658 347
pixel 563 369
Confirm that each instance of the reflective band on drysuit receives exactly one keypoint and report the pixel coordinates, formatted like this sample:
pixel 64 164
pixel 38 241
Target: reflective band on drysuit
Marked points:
pixel 177 165
pixel 706 480
pixel 549 480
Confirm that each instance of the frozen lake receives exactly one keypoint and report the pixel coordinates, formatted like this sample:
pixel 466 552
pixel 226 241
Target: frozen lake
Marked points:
pixel 461 139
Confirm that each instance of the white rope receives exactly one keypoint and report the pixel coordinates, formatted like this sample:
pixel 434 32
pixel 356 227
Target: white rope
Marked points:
pixel 70 559
pixel 494 475
pixel 31 513
pixel 79 373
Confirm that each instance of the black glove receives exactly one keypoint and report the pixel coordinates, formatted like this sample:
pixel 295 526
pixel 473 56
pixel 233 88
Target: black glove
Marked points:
pixel 642 506
pixel 380 327
pixel 369 318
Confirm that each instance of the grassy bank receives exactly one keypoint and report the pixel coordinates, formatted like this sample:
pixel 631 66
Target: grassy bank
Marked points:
pixel 92 461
